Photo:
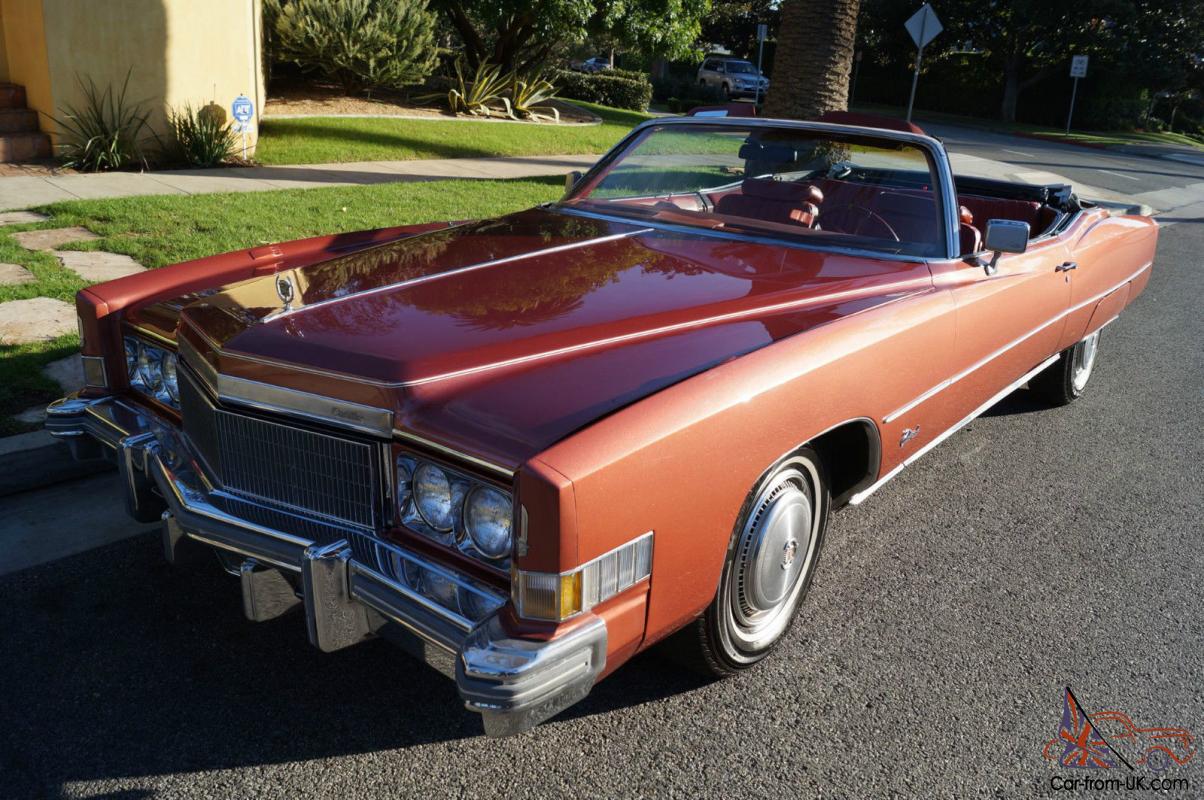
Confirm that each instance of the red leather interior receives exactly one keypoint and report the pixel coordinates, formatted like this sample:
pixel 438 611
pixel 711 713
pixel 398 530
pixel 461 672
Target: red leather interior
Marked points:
pixel 985 208
pixel 773 201
pixel 910 213
pixel 969 239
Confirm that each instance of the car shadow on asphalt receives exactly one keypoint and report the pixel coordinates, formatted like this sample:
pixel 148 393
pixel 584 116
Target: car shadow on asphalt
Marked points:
pixel 118 665
pixel 1021 401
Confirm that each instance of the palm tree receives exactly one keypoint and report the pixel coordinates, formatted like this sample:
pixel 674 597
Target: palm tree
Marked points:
pixel 813 57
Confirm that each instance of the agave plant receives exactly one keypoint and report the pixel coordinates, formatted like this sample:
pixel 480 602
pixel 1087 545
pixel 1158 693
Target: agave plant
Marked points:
pixel 105 132
pixel 488 85
pixel 527 93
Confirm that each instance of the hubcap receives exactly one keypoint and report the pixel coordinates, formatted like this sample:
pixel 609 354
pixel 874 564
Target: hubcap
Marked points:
pixel 774 553
pixel 1084 361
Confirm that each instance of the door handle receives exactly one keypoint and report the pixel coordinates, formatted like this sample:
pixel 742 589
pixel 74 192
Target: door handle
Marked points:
pixel 1066 266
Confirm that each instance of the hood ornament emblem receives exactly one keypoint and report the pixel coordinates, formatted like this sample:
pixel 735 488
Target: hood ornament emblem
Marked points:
pixel 285 290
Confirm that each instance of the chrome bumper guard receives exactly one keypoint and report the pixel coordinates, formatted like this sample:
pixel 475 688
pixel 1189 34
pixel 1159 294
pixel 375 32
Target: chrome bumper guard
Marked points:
pixel 351 585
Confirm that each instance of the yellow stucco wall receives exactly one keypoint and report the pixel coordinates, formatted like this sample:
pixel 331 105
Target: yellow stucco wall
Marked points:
pixel 176 52
pixel 25 51
pixel 3 51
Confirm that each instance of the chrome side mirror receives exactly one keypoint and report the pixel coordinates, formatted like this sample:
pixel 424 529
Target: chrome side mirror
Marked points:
pixel 571 179
pixel 1004 236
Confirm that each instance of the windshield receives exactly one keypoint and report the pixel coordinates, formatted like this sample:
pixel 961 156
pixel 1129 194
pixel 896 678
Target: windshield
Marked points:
pixel 844 190
pixel 742 67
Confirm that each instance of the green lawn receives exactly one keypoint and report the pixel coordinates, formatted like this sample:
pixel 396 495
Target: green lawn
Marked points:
pixel 1101 138
pixel 322 140
pixel 161 230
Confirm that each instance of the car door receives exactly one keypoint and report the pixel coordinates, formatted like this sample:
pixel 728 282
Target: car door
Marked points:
pixel 1008 322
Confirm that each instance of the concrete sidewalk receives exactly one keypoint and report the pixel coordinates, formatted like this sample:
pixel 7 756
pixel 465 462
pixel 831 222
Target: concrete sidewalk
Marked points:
pixel 28 191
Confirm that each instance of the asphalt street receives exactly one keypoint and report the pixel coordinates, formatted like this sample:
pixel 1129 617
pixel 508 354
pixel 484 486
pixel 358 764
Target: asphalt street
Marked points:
pixel 1035 549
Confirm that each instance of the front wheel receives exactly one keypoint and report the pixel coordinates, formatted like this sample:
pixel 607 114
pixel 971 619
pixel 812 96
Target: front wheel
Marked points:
pixel 1066 379
pixel 727 92
pixel 770 562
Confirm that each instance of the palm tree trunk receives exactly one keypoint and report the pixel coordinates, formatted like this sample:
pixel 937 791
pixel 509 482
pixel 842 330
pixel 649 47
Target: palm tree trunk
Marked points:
pixel 813 57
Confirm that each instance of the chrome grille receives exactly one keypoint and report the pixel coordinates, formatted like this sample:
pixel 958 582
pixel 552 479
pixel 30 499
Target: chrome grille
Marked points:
pixel 282 464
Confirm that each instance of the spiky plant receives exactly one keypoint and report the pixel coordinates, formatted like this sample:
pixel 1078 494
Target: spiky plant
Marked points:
pixel 105 132
pixel 527 93
pixel 203 138
pixel 487 86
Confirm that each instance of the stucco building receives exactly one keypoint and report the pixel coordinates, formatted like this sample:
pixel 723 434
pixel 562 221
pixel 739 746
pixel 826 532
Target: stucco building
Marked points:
pixel 176 52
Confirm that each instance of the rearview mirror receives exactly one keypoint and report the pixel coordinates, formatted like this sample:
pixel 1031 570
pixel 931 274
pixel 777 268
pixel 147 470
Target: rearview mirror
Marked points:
pixel 571 179
pixel 1005 236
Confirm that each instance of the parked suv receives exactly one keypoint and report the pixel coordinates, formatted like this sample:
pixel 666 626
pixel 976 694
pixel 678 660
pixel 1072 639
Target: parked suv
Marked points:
pixel 735 76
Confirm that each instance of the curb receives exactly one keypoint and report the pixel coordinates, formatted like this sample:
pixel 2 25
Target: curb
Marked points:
pixel 34 460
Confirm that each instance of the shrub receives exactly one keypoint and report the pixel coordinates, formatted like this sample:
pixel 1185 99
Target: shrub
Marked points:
pixel 107 132
pixel 202 136
pixel 602 88
pixel 358 43
pixel 629 74
pixel 488 85
pixel 527 93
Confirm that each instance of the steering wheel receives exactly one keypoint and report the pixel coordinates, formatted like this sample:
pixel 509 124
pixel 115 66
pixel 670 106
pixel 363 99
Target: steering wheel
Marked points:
pixel 858 216
pixel 840 170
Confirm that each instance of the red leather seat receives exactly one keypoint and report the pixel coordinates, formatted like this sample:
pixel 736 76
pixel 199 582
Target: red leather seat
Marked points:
pixel 987 208
pixel 768 200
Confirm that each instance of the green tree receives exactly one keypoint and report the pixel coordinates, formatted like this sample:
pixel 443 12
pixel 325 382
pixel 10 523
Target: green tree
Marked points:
pixel 653 28
pixel 734 25
pixel 813 58
pixel 525 35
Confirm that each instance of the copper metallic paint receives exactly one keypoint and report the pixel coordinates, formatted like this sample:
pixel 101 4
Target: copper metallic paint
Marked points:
pixel 632 379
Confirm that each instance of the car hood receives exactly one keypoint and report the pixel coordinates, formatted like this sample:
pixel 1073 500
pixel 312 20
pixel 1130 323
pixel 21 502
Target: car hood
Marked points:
pixel 501 337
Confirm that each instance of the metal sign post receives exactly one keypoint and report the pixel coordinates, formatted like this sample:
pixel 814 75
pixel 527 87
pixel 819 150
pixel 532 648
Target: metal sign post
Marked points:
pixel 923 27
pixel 762 32
pixel 1078 69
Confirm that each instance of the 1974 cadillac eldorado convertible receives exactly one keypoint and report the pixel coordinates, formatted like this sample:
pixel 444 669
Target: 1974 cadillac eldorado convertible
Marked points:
pixel 528 448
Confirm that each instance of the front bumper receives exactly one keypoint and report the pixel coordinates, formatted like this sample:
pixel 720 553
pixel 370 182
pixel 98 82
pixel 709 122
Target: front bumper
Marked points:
pixel 351 585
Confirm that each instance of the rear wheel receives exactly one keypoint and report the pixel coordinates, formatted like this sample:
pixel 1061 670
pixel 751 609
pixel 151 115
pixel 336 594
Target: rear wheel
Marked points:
pixel 1066 379
pixel 769 566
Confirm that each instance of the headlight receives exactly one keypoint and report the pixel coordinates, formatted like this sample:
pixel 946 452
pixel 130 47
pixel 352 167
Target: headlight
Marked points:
pixel 171 383
pixel 433 497
pixel 152 371
pixel 487 515
pixel 455 509
pixel 131 359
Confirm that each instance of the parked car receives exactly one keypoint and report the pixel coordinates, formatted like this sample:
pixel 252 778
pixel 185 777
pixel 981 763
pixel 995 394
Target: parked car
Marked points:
pixel 528 448
pixel 595 64
pixel 735 77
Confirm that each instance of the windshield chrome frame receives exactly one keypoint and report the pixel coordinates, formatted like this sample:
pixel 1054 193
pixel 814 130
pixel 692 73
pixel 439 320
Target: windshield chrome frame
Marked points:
pixel 944 186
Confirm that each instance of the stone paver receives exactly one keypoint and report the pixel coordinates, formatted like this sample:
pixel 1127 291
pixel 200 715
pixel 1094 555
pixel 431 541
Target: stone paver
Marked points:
pixel 21 217
pixel 37 320
pixel 97 266
pixel 67 372
pixel 51 238
pixel 14 275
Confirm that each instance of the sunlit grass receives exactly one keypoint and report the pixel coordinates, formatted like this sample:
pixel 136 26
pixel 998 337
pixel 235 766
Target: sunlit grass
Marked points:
pixel 322 140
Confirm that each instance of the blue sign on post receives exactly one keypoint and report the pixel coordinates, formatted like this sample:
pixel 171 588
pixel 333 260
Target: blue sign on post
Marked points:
pixel 242 108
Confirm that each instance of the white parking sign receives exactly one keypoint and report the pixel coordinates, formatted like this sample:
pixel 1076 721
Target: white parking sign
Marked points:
pixel 1078 67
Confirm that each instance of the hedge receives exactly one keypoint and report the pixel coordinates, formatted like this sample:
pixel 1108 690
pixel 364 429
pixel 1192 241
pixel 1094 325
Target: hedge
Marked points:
pixel 604 89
